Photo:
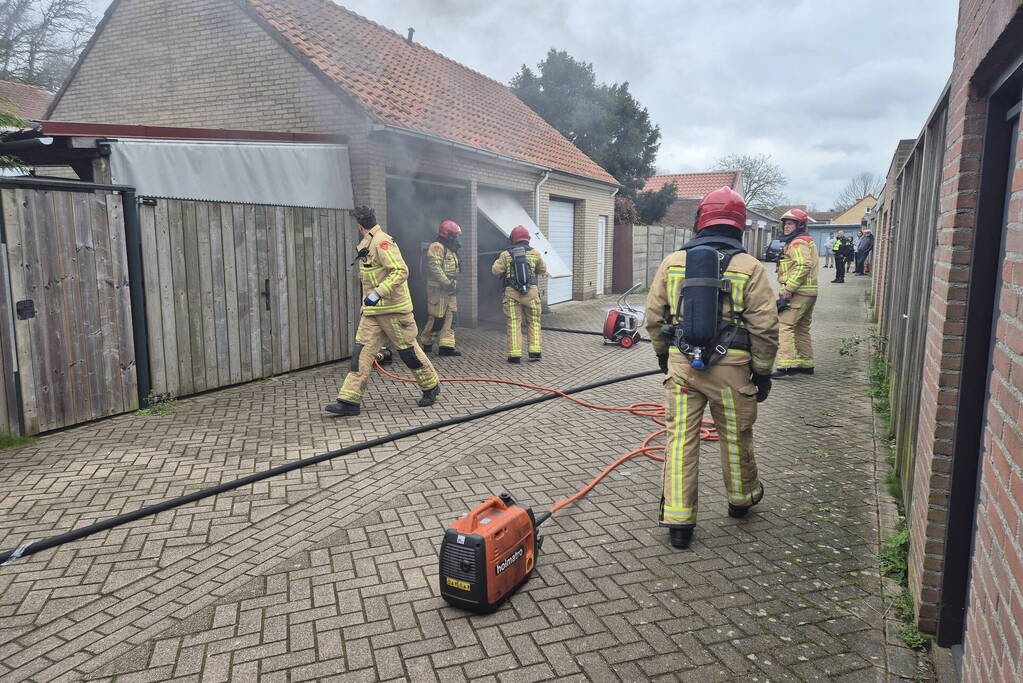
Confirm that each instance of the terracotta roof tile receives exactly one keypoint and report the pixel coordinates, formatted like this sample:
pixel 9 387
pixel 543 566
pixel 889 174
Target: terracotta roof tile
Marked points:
pixel 410 86
pixel 27 101
pixel 694 184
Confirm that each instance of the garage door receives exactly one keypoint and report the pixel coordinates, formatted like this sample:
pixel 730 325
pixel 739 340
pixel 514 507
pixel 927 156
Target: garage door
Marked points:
pixel 561 234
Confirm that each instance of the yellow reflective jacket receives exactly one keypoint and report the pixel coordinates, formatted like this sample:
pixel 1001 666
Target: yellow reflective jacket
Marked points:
pixel 442 269
pixel 504 267
pixel 751 299
pixel 797 266
pixel 383 270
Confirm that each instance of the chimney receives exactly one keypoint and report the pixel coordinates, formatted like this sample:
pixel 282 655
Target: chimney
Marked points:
pixel 411 31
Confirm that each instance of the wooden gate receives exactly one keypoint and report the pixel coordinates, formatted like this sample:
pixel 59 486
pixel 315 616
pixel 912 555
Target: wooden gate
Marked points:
pixel 237 292
pixel 66 341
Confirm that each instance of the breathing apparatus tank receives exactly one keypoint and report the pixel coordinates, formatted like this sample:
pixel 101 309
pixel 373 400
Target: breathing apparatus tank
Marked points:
pixel 521 279
pixel 701 304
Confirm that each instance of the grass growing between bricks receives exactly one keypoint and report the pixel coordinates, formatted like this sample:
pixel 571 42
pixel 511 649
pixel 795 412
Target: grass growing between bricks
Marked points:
pixel 894 556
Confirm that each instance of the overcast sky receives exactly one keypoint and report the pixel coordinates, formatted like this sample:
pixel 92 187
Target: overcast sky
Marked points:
pixel 826 88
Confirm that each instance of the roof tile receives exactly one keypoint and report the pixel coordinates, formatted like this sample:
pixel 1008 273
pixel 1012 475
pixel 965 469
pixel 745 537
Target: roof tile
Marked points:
pixel 694 184
pixel 405 84
pixel 27 101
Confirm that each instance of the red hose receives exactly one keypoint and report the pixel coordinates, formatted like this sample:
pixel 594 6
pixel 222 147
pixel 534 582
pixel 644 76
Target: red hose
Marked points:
pixel 655 411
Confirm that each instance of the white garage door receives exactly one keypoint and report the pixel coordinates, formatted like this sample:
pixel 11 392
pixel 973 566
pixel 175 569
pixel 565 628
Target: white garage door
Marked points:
pixel 561 234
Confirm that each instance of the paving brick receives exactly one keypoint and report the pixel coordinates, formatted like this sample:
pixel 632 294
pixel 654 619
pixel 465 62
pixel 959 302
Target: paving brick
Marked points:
pixel 333 570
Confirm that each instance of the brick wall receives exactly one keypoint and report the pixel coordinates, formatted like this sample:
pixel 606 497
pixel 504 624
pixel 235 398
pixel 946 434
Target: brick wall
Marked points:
pixel 994 636
pixel 993 643
pixel 591 200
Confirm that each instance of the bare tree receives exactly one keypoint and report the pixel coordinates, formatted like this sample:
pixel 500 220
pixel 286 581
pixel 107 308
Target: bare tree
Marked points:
pixel 762 178
pixel 859 187
pixel 40 39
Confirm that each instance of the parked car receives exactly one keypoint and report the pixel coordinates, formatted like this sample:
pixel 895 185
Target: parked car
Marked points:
pixel 773 250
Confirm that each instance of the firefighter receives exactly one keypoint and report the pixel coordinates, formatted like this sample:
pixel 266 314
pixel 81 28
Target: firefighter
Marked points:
pixel 442 269
pixel 386 315
pixel 736 371
pixel 797 275
pixel 519 267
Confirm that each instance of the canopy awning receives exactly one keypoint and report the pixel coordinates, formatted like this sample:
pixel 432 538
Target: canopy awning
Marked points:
pixel 277 174
pixel 505 212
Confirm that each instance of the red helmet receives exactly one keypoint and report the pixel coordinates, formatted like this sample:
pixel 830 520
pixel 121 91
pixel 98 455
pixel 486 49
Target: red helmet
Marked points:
pixel 723 206
pixel 449 229
pixel 519 234
pixel 797 215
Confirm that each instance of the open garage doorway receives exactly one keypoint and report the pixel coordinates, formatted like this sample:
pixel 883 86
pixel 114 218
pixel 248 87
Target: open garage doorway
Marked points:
pixel 415 209
pixel 490 243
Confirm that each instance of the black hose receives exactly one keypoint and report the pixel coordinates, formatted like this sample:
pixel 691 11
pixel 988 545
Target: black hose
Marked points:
pixel 77 534
pixel 563 329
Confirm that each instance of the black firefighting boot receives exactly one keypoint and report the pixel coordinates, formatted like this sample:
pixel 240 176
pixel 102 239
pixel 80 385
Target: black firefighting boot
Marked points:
pixel 428 348
pixel 805 371
pixel 681 536
pixel 783 372
pixel 534 356
pixel 449 351
pixel 429 397
pixel 514 359
pixel 343 408
pixel 738 511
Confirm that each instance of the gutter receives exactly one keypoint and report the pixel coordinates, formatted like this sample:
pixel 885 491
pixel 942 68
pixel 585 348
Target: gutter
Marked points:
pixel 536 197
pixel 388 128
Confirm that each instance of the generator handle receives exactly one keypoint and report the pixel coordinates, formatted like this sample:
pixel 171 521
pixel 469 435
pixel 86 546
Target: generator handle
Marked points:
pixel 488 504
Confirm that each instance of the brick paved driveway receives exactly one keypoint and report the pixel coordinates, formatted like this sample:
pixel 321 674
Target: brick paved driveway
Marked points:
pixel 330 571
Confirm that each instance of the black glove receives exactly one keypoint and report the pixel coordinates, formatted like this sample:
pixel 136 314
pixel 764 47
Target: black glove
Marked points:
pixel 781 304
pixel 763 385
pixel 662 361
pixel 452 287
pixel 372 300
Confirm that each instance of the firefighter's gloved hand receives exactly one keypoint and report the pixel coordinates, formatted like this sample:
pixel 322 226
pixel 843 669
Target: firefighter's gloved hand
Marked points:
pixel 372 300
pixel 782 304
pixel 662 360
pixel 763 385
pixel 452 287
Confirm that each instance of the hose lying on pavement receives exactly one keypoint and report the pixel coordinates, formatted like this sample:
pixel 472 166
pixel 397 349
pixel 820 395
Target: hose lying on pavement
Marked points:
pixel 655 411
pixel 30 548
pixel 563 329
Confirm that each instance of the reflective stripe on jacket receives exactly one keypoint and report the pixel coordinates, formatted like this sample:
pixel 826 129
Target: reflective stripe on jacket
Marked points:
pixel 383 270
pixel 750 298
pixel 797 266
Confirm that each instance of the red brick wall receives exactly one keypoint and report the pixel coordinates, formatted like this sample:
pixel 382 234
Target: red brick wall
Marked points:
pixel 997 567
pixel 994 636
pixel 942 360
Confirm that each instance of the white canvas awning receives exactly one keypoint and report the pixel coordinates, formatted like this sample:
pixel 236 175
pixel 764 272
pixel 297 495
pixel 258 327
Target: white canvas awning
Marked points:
pixel 505 212
pixel 277 174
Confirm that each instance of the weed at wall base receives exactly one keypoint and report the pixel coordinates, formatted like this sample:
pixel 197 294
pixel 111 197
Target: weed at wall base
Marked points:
pixel 157 404
pixel 12 441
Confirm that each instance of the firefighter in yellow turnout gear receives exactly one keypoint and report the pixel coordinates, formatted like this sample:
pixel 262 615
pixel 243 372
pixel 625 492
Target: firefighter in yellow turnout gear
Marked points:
pixel 736 365
pixel 442 269
pixel 386 315
pixel 521 298
pixel 797 275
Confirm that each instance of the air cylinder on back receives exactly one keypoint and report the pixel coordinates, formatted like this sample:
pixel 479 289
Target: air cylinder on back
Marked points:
pixel 700 301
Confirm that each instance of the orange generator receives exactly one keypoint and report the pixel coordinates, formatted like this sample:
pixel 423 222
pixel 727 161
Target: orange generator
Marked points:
pixel 488 553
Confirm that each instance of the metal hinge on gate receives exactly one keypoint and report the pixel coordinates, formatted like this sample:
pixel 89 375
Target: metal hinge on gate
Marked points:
pixel 26 309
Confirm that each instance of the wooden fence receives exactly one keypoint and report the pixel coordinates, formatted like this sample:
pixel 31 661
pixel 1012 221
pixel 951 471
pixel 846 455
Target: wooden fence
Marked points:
pixel 906 265
pixel 238 292
pixel 66 336
pixel 200 294
pixel 652 243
